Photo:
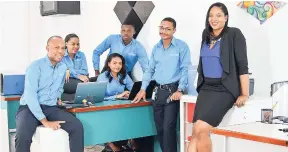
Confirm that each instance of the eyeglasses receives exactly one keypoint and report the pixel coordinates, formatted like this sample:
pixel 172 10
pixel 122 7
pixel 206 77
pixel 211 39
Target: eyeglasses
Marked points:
pixel 161 28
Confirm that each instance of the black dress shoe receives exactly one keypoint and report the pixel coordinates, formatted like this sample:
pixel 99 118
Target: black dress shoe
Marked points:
pixel 109 149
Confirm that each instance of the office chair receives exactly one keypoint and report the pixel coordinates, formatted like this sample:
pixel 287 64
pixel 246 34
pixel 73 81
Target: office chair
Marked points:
pixel 70 89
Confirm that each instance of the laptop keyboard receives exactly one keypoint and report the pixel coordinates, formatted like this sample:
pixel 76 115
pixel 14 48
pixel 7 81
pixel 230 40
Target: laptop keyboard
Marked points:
pixel 68 102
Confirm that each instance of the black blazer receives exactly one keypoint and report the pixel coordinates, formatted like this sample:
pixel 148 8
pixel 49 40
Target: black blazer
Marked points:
pixel 233 57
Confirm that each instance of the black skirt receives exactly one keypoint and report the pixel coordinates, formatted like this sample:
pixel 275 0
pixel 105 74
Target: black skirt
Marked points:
pixel 213 102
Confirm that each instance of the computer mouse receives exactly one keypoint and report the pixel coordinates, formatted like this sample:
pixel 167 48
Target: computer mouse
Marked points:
pixel 285 120
pixel 281 118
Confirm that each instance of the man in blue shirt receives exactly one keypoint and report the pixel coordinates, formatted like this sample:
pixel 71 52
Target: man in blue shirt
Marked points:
pixel 124 44
pixel 168 65
pixel 44 80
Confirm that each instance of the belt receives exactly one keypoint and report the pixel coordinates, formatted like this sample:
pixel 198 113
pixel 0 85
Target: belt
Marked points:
pixel 167 86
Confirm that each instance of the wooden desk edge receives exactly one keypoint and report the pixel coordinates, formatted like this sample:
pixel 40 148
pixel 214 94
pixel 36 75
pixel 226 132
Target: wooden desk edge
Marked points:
pixel 7 98
pixel 109 107
pixel 250 137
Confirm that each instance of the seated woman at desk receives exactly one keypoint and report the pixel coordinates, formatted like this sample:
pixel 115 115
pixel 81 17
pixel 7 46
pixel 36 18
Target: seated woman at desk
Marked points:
pixel 75 60
pixel 115 73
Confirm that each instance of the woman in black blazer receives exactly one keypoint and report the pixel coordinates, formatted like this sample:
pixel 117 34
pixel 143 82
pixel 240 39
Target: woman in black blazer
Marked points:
pixel 222 76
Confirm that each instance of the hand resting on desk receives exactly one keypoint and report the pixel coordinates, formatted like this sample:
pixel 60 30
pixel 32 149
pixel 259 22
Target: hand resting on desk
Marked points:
pixel 123 95
pixel 241 100
pixel 140 95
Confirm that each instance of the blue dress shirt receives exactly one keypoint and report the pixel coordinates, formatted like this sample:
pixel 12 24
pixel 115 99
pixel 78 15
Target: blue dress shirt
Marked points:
pixel 77 66
pixel 132 52
pixel 114 87
pixel 43 85
pixel 212 67
pixel 168 65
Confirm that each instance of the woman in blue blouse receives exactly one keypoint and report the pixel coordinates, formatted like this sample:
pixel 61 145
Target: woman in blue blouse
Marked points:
pixel 223 79
pixel 114 72
pixel 75 60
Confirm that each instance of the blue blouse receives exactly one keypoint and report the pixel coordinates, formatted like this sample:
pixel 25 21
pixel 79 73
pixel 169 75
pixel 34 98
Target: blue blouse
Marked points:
pixel 78 66
pixel 212 67
pixel 114 87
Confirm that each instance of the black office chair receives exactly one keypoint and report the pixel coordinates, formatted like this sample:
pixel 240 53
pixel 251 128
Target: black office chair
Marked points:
pixel 70 89
pixel 93 79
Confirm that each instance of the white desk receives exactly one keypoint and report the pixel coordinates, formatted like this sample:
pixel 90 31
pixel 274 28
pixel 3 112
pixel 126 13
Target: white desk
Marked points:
pixel 251 112
pixel 250 137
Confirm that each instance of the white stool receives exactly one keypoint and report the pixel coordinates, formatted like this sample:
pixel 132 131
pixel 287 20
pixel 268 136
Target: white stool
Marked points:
pixel 48 140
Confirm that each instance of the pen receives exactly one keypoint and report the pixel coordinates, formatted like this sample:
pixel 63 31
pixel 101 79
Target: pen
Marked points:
pixel 274 105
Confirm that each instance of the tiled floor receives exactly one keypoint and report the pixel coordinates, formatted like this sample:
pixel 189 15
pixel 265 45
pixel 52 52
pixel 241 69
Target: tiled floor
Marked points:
pixel 93 149
pixel 87 149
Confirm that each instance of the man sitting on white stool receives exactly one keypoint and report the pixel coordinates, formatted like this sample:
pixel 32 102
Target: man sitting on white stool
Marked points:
pixel 44 80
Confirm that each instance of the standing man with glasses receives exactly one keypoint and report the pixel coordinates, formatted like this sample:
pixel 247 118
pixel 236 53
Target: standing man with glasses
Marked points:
pixel 168 65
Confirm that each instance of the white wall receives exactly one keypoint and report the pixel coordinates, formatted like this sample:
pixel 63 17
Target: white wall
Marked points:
pixel 276 30
pixel 98 20
pixel 14 54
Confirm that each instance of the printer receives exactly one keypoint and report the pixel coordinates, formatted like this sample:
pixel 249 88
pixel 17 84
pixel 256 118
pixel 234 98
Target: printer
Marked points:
pixel 11 84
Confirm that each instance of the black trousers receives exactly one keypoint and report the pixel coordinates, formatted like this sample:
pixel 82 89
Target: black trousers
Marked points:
pixel 26 125
pixel 165 117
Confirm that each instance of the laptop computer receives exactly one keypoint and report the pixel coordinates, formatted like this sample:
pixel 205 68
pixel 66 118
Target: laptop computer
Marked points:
pixel 93 92
pixel 137 86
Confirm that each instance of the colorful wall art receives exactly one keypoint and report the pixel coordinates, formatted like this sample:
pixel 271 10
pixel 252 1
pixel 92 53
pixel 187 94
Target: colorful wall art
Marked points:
pixel 261 10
